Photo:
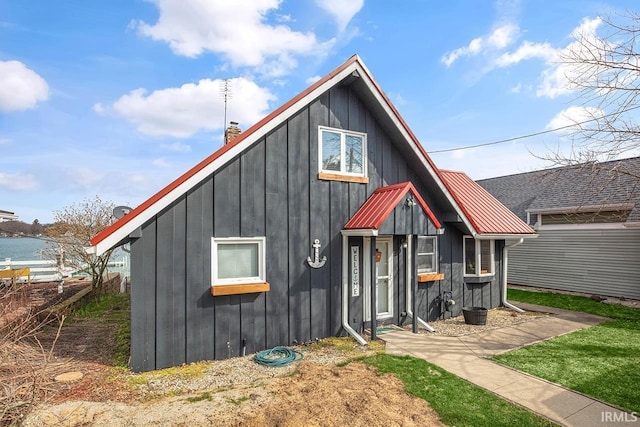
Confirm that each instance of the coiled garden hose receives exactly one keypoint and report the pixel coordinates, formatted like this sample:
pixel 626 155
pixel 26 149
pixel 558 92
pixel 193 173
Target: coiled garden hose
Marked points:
pixel 277 357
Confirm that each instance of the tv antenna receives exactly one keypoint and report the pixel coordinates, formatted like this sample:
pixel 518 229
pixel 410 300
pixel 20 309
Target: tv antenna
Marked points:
pixel 225 93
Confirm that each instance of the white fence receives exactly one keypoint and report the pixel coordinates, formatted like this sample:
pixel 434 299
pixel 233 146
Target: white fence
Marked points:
pixel 39 270
pixel 44 270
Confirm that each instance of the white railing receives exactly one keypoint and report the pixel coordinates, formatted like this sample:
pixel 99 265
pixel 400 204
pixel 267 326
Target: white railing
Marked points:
pixel 40 270
pixel 48 270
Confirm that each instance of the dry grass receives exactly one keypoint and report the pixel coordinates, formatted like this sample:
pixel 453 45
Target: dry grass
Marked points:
pixel 26 368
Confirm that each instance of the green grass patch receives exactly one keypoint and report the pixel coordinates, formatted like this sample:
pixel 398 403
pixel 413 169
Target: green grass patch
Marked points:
pixel 200 398
pixel 183 372
pixel 457 402
pixel 346 344
pixel 575 303
pixel 114 308
pixel 601 361
pixel 237 401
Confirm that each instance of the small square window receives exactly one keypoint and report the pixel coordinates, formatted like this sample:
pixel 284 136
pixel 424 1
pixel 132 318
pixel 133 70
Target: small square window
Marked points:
pixel 479 257
pixel 342 152
pixel 427 254
pixel 238 260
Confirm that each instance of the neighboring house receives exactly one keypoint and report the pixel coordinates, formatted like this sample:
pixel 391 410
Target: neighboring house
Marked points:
pixel 7 216
pixel 325 211
pixel 588 221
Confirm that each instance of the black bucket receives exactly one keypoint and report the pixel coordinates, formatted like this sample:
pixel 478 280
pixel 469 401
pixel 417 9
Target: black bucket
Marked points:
pixel 474 315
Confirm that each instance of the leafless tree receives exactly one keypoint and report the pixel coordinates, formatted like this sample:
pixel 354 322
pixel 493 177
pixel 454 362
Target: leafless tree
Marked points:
pixel 603 69
pixel 74 227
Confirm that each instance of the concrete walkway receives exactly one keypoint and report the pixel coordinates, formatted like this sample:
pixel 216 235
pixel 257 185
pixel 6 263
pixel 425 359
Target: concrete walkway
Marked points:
pixel 466 357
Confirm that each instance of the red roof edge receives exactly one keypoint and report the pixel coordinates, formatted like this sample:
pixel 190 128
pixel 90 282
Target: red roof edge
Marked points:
pixel 379 216
pixel 425 207
pixel 194 170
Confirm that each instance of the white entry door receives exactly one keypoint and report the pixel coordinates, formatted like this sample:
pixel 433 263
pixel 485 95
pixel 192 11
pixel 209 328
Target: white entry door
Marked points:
pixel 384 284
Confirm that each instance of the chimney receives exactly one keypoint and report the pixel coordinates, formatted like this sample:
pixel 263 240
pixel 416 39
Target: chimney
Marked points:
pixel 232 132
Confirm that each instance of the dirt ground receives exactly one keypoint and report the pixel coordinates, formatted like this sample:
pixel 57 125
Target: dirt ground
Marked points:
pixel 314 395
pixel 234 392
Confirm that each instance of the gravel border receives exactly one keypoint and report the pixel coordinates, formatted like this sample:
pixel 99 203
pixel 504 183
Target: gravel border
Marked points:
pixel 496 318
pixel 241 372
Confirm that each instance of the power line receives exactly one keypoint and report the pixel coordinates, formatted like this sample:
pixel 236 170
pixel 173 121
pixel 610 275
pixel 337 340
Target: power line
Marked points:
pixel 515 138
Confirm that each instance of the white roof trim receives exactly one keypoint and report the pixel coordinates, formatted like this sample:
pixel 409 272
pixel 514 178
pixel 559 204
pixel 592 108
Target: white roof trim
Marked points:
pixel 416 150
pixel 504 236
pixel 144 216
pixel 583 208
pixel 360 232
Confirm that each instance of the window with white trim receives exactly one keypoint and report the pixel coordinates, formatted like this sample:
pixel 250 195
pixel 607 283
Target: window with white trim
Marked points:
pixel 342 152
pixel 238 260
pixel 479 256
pixel 427 254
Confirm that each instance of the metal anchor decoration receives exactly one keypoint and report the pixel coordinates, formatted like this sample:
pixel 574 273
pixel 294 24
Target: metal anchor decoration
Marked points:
pixel 317 263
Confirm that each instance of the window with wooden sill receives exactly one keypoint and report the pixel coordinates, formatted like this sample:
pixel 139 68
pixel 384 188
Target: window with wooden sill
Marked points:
pixel 427 259
pixel 238 266
pixel 342 155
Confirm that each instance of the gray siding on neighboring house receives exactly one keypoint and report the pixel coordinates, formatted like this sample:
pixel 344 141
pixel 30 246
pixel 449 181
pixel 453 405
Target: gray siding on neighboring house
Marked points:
pixel 603 262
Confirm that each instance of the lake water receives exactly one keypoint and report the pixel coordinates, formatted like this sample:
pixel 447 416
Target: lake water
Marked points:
pixel 28 249
pixel 21 248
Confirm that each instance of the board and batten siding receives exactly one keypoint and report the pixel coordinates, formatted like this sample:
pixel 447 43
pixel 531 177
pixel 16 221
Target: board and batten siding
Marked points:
pixel 602 262
pixel 271 189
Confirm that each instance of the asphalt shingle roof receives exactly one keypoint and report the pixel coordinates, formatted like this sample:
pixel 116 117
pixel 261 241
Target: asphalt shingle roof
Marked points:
pixel 592 184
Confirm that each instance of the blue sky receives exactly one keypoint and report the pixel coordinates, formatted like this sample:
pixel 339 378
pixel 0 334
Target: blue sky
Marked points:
pixel 117 98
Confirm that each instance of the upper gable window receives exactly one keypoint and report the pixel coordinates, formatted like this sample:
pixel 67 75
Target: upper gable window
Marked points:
pixel 342 155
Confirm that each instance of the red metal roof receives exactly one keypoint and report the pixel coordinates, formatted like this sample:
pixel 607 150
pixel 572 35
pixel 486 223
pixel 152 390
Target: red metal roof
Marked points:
pixel 486 214
pixel 382 202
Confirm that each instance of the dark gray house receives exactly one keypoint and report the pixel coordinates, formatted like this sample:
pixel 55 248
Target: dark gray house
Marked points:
pixel 588 221
pixel 324 212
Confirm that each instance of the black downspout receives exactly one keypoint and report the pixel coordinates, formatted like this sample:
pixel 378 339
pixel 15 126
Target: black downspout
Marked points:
pixel 414 282
pixel 374 305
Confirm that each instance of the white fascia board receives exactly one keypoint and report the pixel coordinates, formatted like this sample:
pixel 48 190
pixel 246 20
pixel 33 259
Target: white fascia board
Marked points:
pixel 360 232
pixel 584 208
pixel 416 150
pixel 590 226
pixel 503 236
pixel 151 211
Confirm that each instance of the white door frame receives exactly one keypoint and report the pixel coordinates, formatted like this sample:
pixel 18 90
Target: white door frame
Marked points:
pixel 366 270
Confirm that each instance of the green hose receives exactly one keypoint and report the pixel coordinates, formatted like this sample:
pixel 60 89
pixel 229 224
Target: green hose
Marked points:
pixel 277 357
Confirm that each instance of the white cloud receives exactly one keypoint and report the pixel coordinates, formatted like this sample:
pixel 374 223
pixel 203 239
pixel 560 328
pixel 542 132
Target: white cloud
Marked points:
pixel 527 50
pixel 84 178
pixel 311 80
pixel 99 108
pixel 18 181
pixel 556 79
pixel 574 115
pixel 20 87
pixel 499 39
pixel 341 10
pixel 177 147
pixel 556 76
pixel 237 30
pixel 161 162
pixel 4 141
pixel 182 111
pixel 486 162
